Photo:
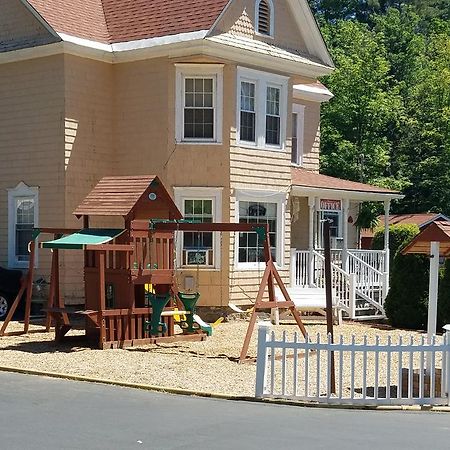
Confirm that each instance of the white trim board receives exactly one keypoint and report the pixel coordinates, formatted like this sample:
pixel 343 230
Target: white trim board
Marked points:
pixel 305 191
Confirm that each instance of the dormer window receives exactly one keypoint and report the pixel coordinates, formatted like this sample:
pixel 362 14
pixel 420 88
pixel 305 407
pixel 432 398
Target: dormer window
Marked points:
pixel 264 17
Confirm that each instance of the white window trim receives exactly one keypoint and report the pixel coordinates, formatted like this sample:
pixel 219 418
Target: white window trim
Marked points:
pixel 280 199
pixel 199 70
pixel 200 193
pixel 21 190
pixel 271 23
pixel 300 111
pixel 261 81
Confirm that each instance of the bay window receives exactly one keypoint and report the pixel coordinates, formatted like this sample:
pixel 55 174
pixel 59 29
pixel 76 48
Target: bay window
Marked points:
pixel 262 103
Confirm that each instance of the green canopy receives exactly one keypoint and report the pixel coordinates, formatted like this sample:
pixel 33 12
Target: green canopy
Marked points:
pixel 79 240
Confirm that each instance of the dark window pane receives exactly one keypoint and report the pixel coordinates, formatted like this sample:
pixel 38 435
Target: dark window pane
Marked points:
pixel 272 130
pixel 247 126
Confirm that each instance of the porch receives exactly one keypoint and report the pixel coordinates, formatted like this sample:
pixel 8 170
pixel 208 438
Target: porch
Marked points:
pixel 360 277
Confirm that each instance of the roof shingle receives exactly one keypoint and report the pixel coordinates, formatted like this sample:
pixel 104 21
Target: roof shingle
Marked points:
pixel 303 177
pixel 113 21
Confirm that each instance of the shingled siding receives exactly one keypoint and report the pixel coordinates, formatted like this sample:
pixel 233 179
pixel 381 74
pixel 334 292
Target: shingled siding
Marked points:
pixel 88 149
pixel 262 170
pixel 32 142
pixel 19 28
pixel 311 135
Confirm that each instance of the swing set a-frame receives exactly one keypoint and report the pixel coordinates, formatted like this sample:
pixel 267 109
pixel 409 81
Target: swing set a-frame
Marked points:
pixel 269 277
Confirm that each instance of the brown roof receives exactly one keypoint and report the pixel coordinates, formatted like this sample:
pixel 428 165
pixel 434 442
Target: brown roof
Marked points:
pixel 435 231
pixel 303 177
pixel 395 219
pixel 112 21
pixel 117 196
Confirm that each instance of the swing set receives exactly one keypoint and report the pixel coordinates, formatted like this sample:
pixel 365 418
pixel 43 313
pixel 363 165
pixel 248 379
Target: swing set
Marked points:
pixel 121 264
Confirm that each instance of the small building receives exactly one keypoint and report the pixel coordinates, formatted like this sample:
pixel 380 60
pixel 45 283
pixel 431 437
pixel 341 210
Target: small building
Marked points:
pixel 421 220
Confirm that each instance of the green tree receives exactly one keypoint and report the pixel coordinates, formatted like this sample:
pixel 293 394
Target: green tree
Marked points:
pixel 366 105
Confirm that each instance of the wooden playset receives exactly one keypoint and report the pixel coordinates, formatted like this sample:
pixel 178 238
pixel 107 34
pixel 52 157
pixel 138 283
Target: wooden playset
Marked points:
pixel 131 292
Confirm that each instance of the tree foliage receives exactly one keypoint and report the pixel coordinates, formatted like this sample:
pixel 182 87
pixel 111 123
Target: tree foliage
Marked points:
pixel 389 123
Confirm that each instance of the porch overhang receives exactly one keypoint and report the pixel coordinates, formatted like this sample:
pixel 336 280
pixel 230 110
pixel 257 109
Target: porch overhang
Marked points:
pixel 310 184
pixel 333 193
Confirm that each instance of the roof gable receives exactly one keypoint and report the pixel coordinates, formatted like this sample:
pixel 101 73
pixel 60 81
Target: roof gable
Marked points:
pixel 295 28
pixel 433 232
pixel 21 28
pixel 132 197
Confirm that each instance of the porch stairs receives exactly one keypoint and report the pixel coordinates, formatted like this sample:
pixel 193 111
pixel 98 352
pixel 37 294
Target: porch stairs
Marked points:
pixel 359 280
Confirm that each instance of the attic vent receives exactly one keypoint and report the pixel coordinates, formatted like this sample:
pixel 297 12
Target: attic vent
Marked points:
pixel 264 12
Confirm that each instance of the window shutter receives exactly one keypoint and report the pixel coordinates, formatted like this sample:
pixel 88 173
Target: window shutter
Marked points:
pixel 264 17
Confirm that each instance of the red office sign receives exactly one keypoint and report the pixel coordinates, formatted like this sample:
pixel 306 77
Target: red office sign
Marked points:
pixel 330 205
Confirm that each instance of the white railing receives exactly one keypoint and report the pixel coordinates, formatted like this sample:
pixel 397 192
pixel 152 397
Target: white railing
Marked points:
pixel 361 289
pixel 368 373
pixel 370 284
pixel 309 271
pixel 374 258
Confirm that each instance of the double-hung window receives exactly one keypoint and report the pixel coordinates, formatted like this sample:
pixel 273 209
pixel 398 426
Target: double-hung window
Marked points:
pixel 257 207
pixel 199 91
pixel 262 100
pixel 198 246
pixel 22 218
pixel 199 205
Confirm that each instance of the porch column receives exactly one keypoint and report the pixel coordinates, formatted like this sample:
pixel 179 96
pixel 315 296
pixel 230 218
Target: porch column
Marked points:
pixel 432 296
pixel 387 206
pixel 345 207
pixel 311 205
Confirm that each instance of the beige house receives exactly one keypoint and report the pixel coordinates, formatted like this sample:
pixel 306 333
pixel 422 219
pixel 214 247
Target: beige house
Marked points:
pixel 218 98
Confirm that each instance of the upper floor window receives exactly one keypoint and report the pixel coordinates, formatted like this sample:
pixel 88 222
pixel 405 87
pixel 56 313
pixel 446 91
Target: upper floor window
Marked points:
pixel 298 120
pixel 262 114
pixel 199 92
pixel 22 218
pixel 264 17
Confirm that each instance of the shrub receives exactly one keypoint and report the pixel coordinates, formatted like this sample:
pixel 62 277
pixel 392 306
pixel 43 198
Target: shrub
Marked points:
pixel 399 236
pixel 407 301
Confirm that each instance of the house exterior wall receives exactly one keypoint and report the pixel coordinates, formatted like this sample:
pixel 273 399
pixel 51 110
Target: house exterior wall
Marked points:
pixel 311 137
pixel 89 149
pixel 32 142
pixel 120 119
pixel 19 28
pixel 145 143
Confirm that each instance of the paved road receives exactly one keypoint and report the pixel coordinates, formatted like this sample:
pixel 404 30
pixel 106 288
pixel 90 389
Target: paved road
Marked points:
pixel 44 413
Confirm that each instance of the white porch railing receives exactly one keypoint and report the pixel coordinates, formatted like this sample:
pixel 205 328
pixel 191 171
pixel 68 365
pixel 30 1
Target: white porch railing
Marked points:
pixel 366 373
pixel 371 283
pixel 360 288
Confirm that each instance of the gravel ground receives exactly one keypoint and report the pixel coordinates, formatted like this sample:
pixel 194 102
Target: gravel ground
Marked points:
pixel 208 366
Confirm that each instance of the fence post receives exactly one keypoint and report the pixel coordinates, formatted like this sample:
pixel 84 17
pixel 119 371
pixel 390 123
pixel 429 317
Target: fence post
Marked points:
pixel 261 358
pixel 294 270
pixel 385 287
pixel 352 295
pixel 446 370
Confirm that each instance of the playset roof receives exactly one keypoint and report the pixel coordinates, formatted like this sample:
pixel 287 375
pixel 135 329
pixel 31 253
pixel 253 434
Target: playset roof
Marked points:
pixel 119 196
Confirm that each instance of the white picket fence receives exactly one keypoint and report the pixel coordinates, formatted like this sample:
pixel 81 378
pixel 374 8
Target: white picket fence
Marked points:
pixel 407 372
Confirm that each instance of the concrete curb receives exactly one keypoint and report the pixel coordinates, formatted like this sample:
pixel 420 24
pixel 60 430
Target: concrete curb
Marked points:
pixel 216 395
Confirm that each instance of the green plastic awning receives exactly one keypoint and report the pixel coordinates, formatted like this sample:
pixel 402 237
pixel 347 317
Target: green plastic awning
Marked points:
pixel 79 240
